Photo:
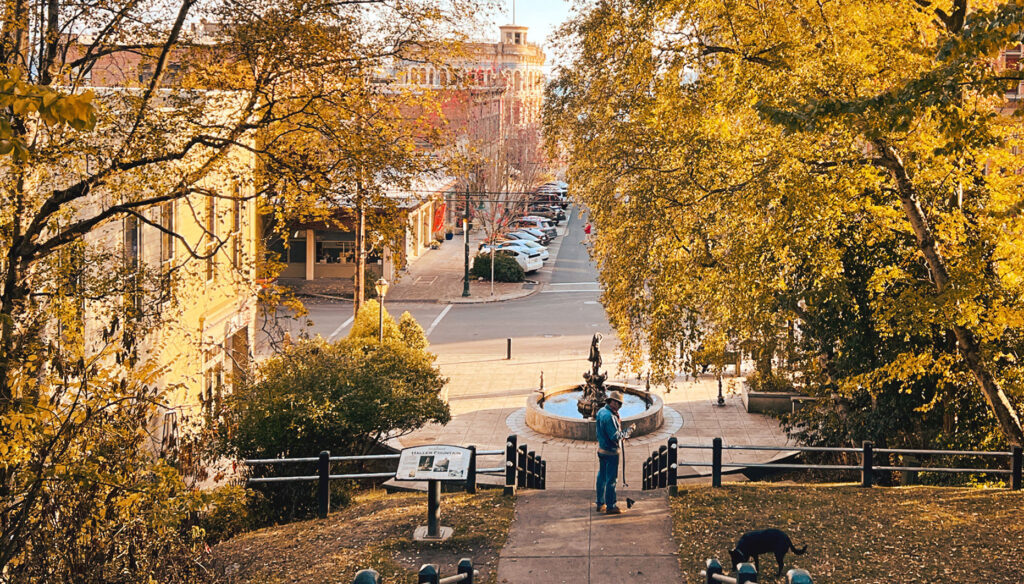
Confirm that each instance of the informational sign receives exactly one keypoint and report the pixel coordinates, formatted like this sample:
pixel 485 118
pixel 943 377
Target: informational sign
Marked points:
pixel 434 462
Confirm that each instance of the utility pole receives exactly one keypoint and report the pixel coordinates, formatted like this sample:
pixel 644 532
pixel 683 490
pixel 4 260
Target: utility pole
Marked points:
pixel 465 237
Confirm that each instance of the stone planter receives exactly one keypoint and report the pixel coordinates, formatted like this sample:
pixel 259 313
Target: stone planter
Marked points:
pixel 761 402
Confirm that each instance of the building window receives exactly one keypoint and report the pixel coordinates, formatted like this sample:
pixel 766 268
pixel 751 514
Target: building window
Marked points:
pixel 166 237
pixel 211 234
pixel 236 230
pixel 132 240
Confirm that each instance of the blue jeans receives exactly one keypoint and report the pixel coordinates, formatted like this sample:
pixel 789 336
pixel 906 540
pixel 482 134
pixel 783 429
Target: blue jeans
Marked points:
pixel 606 474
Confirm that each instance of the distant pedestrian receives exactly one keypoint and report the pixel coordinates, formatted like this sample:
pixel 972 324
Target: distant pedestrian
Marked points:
pixel 609 437
pixel 586 229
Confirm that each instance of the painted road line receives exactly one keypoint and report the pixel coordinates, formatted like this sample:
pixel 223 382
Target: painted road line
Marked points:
pixel 438 319
pixel 573 284
pixel 341 327
pixel 568 291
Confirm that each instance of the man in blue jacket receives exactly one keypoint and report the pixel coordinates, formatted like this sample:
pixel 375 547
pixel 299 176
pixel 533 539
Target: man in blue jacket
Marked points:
pixel 609 434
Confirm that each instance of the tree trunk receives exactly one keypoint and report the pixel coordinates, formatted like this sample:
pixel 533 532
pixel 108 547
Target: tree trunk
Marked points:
pixel 1004 411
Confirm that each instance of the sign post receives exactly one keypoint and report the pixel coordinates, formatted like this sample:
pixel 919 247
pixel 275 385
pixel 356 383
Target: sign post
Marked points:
pixel 434 463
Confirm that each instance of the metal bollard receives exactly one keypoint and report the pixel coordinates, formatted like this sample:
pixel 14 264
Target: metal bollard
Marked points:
pixel 746 573
pixel 466 567
pixel 433 508
pixel 471 471
pixel 543 475
pixel 366 577
pixel 428 574
pixel 645 480
pixel 521 467
pixel 1015 468
pixel 662 466
pixel 716 462
pixel 713 568
pixel 798 576
pixel 323 490
pixel 673 466
pixel 867 476
pixel 531 470
pixel 508 349
pixel 510 464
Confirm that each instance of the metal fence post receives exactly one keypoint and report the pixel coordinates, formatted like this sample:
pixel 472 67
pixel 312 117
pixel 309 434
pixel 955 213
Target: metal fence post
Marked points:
pixel 521 467
pixel 508 349
pixel 746 573
pixel 510 465
pixel 531 470
pixel 716 462
pixel 471 472
pixel 644 480
pixel 323 490
pixel 366 577
pixel 867 477
pixel 673 467
pixel 466 567
pixel 434 509
pixel 543 475
pixel 798 576
pixel 428 574
pixel 662 466
pixel 1015 468
pixel 713 568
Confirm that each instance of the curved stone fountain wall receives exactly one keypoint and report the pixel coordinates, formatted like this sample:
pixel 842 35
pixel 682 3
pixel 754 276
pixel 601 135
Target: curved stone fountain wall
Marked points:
pixel 586 429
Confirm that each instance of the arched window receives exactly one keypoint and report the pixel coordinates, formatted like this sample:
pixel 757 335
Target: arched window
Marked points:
pixel 518 82
pixel 443 77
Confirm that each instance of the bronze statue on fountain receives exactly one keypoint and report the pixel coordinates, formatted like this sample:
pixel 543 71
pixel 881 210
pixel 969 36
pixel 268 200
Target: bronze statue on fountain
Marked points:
pixel 593 390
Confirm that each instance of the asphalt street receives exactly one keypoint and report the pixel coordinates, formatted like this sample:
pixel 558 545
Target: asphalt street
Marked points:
pixel 566 305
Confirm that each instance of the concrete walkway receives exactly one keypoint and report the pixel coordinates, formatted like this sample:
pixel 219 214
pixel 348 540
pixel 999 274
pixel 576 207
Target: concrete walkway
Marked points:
pixel 559 538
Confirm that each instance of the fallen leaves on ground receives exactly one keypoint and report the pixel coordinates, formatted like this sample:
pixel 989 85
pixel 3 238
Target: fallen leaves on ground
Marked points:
pixel 856 535
pixel 375 531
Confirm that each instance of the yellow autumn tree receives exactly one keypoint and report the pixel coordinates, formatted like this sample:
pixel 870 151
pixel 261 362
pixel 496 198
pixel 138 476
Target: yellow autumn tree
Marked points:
pixel 832 186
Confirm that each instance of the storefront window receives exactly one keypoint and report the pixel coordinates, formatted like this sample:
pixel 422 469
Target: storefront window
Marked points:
pixel 335 248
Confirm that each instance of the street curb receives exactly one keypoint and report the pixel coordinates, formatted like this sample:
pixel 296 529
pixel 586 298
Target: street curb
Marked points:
pixel 525 294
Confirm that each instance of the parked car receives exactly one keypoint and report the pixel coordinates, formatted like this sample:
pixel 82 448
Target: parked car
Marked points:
pixel 548 212
pixel 530 262
pixel 531 246
pixel 538 223
pixel 524 235
pixel 542 238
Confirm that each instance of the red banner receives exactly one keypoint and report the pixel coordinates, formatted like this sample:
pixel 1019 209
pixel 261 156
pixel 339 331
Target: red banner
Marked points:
pixel 438 218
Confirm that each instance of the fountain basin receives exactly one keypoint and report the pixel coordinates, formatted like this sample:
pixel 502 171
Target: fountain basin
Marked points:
pixel 575 427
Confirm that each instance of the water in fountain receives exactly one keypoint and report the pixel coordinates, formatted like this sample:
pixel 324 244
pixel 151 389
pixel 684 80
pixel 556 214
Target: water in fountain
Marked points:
pixel 564 404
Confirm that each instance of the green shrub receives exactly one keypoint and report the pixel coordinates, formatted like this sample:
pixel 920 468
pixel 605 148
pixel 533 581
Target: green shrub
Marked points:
pixel 770 382
pixel 343 397
pixel 506 268
pixel 367 323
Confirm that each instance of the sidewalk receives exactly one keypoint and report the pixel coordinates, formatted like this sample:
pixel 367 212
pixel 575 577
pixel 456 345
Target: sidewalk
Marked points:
pixel 557 537
pixel 437 276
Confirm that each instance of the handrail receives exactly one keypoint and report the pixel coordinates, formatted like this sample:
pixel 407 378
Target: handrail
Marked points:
pixel 523 468
pixel 660 470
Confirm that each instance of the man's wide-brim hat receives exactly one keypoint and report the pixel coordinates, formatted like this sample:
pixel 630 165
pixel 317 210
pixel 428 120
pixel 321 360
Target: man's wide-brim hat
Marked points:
pixel 615 395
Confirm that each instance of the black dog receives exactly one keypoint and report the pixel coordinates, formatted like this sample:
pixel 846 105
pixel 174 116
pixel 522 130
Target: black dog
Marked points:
pixel 755 543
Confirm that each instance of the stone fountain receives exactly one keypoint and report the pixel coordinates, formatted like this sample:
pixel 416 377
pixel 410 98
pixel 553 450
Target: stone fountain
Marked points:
pixel 568 411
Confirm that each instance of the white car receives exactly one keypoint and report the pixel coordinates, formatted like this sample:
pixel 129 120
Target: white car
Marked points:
pixel 523 235
pixel 530 247
pixel 530 262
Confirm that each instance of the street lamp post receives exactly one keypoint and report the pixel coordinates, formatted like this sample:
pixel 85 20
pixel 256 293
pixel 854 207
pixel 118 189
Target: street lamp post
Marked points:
pixel 465 239
pixel 382 290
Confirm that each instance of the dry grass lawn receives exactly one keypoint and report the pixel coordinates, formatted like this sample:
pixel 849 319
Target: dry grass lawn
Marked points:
pixel 374 532
pixel 855 535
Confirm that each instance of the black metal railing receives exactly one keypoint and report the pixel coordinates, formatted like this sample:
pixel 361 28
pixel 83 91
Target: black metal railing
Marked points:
pixel 428 574
pixel 746 573
pixel 523 468
pixel 661 469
